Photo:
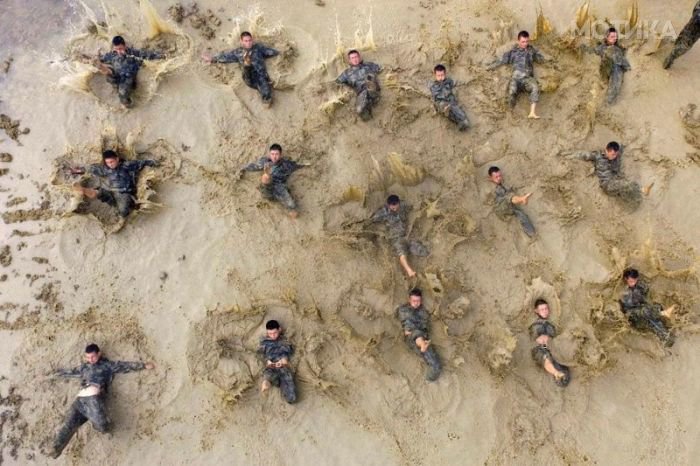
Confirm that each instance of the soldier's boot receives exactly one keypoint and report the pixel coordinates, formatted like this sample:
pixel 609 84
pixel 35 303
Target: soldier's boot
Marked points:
pixel 362 105
pixel 124 203
pixel 287 386
pixel 434 367
pixel 525 222
pixel 74 420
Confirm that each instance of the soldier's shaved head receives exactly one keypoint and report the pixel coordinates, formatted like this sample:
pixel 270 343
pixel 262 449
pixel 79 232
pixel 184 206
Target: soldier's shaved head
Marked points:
pixel 118 40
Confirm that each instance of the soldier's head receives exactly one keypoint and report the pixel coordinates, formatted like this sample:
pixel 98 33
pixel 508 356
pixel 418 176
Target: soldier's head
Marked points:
pixel 495 174
pixel 246 40
pixel 440 72
pixel 393 202
pixel 630 276
pixel 542 308
pixel 119 45
pixel 92 353
pixel 275 153
pixel 273 329
pixel 110 158
pixel 354 57
pixel 415 298
pixel 611 36
pixel 612 150
pixel 523 39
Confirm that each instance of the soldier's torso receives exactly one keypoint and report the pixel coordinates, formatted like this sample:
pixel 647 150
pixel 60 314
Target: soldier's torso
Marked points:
pixel 612 55
pixel 396 222
pixel 523 62
pixel 416 318
pixel 357 76
pixel 126 65
pixel 607 169
pixel 256 56
pixel 274 350
pixel 281 171
pixel 634 297
pixel 542 327
pixel 99 374
pixel 442 90
pixel 121 179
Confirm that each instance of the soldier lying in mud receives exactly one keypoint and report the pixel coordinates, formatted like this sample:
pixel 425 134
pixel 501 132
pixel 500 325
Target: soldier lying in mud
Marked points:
pixel 608 169
pixel 613 63
pixel 361 76
pixel 415 322
pixel 252 56
pixel 276 171
pixel 277 352
pixel 522 58
pixel 444 99
pixel 542 331
pixel 395 216
pixel 119 178
pixel 96 375
pixel 508 204
pixel 642 314
pixel 121 66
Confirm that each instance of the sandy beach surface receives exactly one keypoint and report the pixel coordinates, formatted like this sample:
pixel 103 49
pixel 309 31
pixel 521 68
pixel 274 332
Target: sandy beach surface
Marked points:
pixel 190 279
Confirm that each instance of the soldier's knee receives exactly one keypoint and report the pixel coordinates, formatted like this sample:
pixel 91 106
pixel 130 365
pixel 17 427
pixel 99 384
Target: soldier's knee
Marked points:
pixel 102 425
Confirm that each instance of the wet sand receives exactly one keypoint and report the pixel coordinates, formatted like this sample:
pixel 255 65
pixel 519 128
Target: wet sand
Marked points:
pixel 190 280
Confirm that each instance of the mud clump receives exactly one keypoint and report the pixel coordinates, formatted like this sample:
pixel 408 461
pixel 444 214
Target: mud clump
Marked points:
pixel 11 127
pixel 5 256
pixel 5 157
pixel 497 344
pixel 49 295
pixel 5 67
pixel 15 201
pixel 16 216
pixel 206 23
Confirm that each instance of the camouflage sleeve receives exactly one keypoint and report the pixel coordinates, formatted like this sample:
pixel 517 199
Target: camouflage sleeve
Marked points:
pixel 138 165
pixel 374 68
pixel 624 63
pixel 378 216
pixel 343 78
pixel 122 367
pixel 256 166
pixel 96 170
pixel 107 57
pixel 268 52
pixel 293 166
pixel 72 373
pixel 538 56
pixel 226 57
pixel 585 155
pixel 504 60
pixel 147 54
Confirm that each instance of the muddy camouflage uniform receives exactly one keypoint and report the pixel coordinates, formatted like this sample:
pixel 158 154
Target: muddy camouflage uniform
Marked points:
pixel 541 353
pixel 363 79
pixel 643 315
pixel 609 173
pixel 125 68
pixel 505 208
pixel 254 75
pixel 523 78
pixel 120 189
pixel 397 223
pixel 446 103
pixel 90 408
pixel 613 66
pixel 274 350
pixel 687 38
pixel 279 172
pixel 417 321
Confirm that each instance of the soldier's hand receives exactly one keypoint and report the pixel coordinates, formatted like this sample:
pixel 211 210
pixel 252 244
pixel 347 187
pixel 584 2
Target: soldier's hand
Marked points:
pixel 149 366
pixel 265 178
pixel 565 153
pixel 206 58
pixel 526 198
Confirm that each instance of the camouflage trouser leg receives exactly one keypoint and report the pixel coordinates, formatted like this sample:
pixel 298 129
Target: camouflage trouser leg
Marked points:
pixel 525 222
pixel 284 379
pixel 404 247
pixel 125 88
pixel 83 409
pixel 280 193
pixel 366 99
pixel 629 191
pixel 648 317
pixel 454 113
pixel 685 41
pixel 124 202
pixel 529 85
pixel 255 81
pixel 615 84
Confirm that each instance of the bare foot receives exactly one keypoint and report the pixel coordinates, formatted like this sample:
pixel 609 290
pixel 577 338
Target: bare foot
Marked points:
pixel 293 214
pixel 533 116
pixel 265 386
pixel 647 189
pixel 424 346
pixel 87 192
pixel 668 312
pixel 411 273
